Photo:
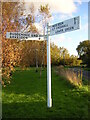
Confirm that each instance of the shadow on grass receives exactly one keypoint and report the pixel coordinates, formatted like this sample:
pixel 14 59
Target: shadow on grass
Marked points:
pixel 24 110
pixel 39 110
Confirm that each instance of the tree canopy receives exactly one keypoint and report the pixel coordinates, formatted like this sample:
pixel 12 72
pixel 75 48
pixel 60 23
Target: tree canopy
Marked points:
pixel 83 50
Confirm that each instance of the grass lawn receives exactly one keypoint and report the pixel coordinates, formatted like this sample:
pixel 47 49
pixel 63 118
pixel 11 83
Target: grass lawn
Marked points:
pixel 26 96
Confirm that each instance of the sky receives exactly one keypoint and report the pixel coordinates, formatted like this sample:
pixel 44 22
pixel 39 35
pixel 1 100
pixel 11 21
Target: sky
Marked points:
pixel 72 39
pixel 63 10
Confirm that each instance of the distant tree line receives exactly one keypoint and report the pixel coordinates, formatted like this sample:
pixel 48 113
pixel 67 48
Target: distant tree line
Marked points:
pixel 61 56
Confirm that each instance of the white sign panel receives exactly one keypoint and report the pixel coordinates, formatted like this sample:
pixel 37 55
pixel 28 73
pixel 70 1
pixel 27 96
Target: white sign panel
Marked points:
pixel 19 35
pixel 65 26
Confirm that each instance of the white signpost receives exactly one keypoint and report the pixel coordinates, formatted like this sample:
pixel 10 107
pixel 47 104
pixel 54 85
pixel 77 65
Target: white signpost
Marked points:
pixel 59 28
pixel 65 26
pixel 19 35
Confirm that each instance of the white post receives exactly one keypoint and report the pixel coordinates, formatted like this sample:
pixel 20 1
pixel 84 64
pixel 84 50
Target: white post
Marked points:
pixel 49 100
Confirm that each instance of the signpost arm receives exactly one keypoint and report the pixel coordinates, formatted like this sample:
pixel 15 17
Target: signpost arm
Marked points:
pixel 49 100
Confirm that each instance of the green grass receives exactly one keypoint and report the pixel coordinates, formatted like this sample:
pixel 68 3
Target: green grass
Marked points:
pixel 26 96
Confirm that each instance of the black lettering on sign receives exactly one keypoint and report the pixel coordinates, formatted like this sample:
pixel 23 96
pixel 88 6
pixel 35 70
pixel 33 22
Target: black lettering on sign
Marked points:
pixel 69 28
pixel 12 36
pixel 36 35
pixel 58 31
pixel 11 33
pixel 32 35
pixel 72 27
pixel 75 20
